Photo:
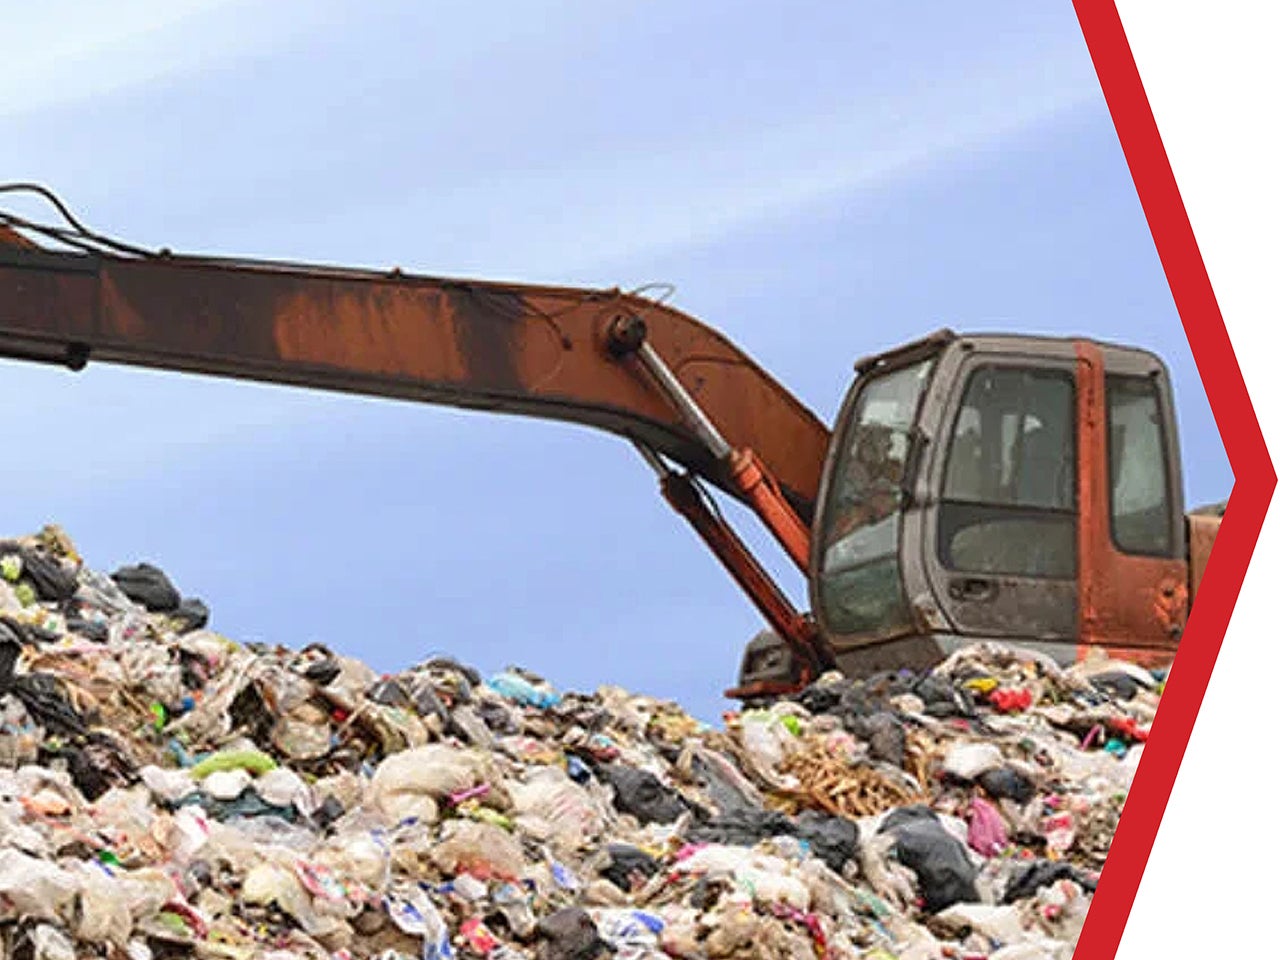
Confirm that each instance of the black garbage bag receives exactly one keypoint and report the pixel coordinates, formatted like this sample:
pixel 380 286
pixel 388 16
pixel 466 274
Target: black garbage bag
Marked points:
pixel 713 773
pixel 10 651
pixel 826 697
pixel 943 700
pixel 94 630
pixel 497 717
pixel 52 581
pixel 629 867
pixel 641 794
pixel 323 672
pixel 1117 684
pixel 145 584
pixel 1042 873
pixel 192 614
pixel 884 734
pixel 571 934
pixel 46 701
pixel 743 827
pixel 847 700
pixel 250 713
pixel 1008 783
pixel 330 811
pixel 428 703
pixel 27 634
pixel 469 676
pixel 901 816
pixel 96 763
pixel 389 692
pixel 940 862
pixel 833 840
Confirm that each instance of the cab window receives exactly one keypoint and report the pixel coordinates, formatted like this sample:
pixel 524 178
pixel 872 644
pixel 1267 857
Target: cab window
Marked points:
pixel 859 582
pixel 1009 499
pixel 1141 509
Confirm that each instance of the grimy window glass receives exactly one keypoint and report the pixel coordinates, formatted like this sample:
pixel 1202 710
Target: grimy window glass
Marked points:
pixel 1009 495
pixel 859 585
pixel 1141 510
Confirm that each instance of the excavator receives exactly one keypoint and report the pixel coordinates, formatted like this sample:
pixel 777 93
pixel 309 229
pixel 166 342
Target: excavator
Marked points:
pixel 1019 489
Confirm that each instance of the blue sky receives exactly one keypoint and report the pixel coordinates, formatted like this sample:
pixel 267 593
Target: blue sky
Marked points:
pixel 818 180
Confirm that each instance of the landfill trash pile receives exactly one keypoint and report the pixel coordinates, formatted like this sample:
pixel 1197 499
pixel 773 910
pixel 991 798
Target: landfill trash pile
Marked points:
pixel 167 792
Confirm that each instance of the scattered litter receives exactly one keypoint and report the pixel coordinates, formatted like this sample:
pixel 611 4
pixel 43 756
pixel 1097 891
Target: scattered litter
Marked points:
pixel 165 791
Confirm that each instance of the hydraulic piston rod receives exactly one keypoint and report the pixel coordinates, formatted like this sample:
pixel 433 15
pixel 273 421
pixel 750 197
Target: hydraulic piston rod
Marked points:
pixel 750 475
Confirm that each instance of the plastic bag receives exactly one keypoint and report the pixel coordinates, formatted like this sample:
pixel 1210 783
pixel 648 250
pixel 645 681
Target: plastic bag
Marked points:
pixel 102 915
pixel 168 785
pixel 970 760
pixel 480 849
pixel 551 805
pixel 408 784
pixel 940 862
pixel 268 883
pixel 987 833
pixel 49 943
pixel 31 887
pixel 412 911
pixel 523 691
pixel 765 739
pixel 280 787
pixel 147 585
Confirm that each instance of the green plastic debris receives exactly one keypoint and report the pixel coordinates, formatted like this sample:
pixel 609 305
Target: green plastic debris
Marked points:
pixel 173 923
pixel 11 567
pixel 255 761
pixel 486 815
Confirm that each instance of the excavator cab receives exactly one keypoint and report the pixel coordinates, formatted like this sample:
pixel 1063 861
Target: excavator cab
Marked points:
pixel 1018 489
pixel 1002 487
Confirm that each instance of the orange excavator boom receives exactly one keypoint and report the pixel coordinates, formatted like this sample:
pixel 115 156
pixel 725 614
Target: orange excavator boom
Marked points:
pixel 510 348
pixel 604 358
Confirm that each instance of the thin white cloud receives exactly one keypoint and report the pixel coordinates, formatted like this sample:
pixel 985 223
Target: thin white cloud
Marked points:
pixel 716 191
pixel 63 51
pixel 598 213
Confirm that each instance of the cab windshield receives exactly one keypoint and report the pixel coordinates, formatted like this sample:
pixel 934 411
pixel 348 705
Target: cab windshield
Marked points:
pixel 859 582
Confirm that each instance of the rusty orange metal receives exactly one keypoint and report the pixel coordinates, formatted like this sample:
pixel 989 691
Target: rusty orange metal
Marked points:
pixel 758 486
pixel 1202 531
pixel 515 348
pixel 1127 603
pixel 797 629
pixel 12 238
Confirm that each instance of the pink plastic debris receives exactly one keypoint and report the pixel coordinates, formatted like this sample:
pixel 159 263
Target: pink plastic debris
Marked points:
pixel 987 834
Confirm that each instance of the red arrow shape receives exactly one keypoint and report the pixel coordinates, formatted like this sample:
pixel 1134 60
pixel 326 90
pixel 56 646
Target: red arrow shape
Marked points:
pixel 1255 476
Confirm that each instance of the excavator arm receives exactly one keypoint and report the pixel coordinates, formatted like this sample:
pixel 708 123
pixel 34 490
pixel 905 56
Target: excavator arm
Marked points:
pixel 508 348
pixel 604 358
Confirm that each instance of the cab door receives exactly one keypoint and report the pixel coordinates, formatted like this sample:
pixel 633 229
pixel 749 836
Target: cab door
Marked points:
pixel 996 529
pixel 1134 572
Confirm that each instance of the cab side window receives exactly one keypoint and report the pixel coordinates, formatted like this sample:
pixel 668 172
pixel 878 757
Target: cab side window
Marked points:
pixel 1141 507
